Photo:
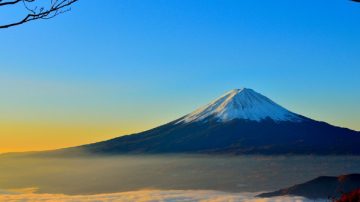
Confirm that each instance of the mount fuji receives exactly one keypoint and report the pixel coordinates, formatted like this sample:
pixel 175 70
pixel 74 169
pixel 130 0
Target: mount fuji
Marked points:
pixel 242 104
pixel 240 122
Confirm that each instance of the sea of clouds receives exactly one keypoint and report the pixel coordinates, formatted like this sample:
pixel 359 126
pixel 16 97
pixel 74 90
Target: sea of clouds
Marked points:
pixel 145 196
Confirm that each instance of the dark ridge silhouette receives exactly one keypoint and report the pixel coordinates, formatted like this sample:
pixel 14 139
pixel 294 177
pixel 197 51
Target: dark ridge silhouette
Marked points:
pixel 323 187
pixel 353 196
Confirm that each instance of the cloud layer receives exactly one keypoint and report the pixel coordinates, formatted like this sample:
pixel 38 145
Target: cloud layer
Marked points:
pixel 145 196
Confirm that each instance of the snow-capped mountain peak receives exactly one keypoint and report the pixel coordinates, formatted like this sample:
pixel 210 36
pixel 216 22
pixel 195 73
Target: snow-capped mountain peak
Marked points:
pixel 242 103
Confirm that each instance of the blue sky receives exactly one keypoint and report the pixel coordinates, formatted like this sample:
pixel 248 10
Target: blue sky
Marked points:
pixel 131 65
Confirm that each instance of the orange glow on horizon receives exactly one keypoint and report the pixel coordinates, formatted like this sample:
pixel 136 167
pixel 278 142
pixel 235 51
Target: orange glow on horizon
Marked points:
pixel 21 137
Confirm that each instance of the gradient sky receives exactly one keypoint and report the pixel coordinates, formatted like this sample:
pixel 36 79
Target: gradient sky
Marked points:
pixel 119 67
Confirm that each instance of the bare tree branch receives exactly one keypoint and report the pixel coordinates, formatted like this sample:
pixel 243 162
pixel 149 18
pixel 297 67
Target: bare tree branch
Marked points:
pixel 9 2
pixel 55 8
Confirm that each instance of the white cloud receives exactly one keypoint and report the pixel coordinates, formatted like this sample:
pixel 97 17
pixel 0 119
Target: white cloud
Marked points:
pixel 145 196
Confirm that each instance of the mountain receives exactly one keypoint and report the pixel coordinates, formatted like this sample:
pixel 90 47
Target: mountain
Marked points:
pixel 321 187
pixel 242 104
pixel 240 122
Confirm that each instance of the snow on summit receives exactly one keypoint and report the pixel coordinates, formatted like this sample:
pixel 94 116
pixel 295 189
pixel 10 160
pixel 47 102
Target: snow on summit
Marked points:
pixel 242 104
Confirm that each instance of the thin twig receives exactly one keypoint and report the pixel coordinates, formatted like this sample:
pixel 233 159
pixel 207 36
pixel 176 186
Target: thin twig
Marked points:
pixel 57 7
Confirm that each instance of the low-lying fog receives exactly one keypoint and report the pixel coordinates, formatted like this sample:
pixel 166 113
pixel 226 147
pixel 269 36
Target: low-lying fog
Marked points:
pixel 95 175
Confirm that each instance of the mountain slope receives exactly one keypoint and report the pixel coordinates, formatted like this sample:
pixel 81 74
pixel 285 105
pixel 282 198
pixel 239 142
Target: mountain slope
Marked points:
pixel 237 137
pixel 240 122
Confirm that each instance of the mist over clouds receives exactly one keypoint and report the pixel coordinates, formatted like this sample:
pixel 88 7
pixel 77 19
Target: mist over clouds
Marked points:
pixel 95 175
pixel 148 196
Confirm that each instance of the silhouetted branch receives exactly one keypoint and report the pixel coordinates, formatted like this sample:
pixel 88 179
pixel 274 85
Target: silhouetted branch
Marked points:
pixel 55 8
pixel 9 2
